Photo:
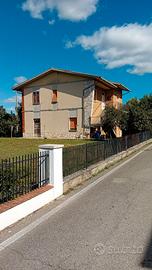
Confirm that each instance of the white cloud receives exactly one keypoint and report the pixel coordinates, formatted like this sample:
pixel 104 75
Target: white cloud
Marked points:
pixel 51 22
pixel 20 79
pixel 118 46
pixel 69 44
pixel 67 9
pixel 13 99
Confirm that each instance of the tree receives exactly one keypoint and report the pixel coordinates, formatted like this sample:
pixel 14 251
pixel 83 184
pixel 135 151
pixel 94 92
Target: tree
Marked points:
pixel 146 108
pixel 132 108
pixel 114 118
pixel 6 121
pixel 19 118
pixel 140 114
pixel 135 116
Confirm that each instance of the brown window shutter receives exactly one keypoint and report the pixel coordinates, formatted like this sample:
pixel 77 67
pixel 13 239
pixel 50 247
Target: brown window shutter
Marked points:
pixel 36 98
pixel 33 98
pixel 73 123
pixel 54 96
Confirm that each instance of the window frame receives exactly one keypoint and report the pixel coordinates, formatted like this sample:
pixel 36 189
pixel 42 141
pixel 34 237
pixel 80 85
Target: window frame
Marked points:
pixel 36 98
pixel 37 134
pixel 95 95
pixel 72 129
pixel 54 96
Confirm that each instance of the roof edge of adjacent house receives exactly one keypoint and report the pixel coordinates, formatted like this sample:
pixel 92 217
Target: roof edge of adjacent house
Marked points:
pixel 20 86
pixel 121 86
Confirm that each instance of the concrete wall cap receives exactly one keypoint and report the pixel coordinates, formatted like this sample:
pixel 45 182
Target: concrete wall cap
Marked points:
pixel 51 146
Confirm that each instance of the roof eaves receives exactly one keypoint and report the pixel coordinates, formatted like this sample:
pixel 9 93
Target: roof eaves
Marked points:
pixel 19 87
pixel 97 78
pixel 106 82
pixel 121 86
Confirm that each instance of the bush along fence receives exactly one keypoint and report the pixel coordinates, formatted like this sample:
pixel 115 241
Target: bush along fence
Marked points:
pixel 25 174
pixel 21 175
pixel 80 157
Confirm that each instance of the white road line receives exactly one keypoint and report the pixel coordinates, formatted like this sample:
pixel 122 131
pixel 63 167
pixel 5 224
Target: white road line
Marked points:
pixel 45 217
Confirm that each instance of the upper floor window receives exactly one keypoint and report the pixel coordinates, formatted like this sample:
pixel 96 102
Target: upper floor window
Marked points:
pixel 36 98
pixel 54 96
pixel 98 94
pixel 108 98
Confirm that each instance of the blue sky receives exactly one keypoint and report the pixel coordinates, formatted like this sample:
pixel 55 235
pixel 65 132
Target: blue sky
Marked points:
pixel 110 38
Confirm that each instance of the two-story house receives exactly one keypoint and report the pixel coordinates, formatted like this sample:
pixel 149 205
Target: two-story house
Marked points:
pixel 66 104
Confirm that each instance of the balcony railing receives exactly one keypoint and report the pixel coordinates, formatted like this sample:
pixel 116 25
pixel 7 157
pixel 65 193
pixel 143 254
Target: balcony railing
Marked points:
pixel 95 120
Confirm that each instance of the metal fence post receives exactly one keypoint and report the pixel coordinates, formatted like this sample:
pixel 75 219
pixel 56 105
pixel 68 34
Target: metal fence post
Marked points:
pixel 86 156
pixel 126 142
pixel 43 166
pixel 104 150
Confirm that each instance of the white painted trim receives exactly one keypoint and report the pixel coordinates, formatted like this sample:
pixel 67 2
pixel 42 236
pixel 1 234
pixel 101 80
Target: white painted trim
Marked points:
pixel 55 166
pixel 22 210
pixel 50 146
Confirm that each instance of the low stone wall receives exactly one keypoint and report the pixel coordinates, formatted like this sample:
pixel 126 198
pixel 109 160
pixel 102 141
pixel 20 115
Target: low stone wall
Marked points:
pixel 81 176
pixel 47 135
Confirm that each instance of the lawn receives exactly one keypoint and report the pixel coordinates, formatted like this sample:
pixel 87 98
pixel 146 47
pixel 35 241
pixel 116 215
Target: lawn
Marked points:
pixel 19 146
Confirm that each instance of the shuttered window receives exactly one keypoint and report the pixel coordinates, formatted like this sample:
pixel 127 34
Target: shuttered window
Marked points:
pixel 37 128
pixel 98 94
pixel 73 124
pixel 36 98
pixel 54 96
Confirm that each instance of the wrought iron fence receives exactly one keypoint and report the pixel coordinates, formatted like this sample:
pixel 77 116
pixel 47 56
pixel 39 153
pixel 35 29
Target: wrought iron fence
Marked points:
pixel 22 174
pixel 79 157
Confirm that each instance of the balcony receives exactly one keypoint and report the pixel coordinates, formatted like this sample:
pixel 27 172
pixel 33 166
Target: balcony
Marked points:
pixel 95 121
pixel 109 103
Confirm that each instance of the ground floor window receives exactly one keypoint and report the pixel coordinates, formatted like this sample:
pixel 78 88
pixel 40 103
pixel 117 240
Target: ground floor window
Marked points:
pixel 73 124
pixel 37 128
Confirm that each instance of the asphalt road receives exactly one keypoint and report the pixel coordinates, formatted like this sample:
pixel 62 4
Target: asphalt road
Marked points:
pixel 107 227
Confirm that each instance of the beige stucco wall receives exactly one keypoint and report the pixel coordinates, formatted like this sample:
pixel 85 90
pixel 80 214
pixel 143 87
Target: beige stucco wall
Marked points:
pixel 56 124
pixel 70 91
pixel 29 127
pixel 54 120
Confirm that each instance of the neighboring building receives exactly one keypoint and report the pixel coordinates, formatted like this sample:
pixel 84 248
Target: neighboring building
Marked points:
pixel 66 104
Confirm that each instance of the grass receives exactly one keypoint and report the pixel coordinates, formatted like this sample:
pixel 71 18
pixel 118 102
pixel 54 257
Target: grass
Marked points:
pixel 19 146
